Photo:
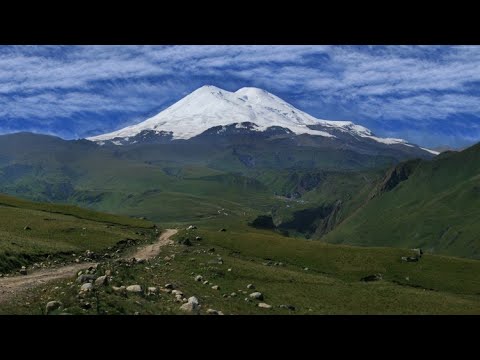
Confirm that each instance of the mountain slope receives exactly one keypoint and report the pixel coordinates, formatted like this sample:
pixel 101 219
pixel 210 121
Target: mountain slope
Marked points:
pixel 34 232
pixel 430 204
pixel 250 109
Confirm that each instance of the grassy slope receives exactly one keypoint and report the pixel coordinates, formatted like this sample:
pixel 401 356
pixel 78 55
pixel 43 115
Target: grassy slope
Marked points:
pixel 437 208
pixel 56 229
pixel 330 286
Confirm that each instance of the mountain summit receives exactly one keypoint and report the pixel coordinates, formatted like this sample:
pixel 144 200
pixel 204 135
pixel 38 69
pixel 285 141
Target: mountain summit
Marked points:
pixel 252 108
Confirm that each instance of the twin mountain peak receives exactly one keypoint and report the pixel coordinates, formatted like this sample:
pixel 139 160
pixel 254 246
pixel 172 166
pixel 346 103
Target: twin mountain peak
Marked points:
pixel 249 110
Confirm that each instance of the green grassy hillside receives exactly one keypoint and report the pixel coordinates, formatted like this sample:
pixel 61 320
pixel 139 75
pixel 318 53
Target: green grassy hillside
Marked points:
pixel 314 277
pixel 437 208
pixel 32 231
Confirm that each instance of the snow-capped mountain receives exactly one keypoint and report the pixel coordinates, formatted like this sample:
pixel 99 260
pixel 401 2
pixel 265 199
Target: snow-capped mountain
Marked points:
pixel 256 109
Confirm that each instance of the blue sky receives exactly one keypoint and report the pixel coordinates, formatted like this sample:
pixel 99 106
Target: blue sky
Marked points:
pixel 429 95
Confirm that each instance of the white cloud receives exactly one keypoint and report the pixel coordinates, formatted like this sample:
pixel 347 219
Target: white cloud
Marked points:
pixel 393 82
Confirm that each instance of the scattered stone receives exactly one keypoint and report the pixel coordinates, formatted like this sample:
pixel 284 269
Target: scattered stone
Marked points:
pixel 120 289
pixel 220 262
pixel 306 269
pixel 410 258
pixel 198 278
pixel 177 292
pixel 225 295
pixel 407 278
pixel 250 286
pixel 233 294
pixel 27 228
pixel 222 230
pixel 108 272
pixel 23 270
pixel 101 281
pixel 89 254
pixel 191 227
pixel 77 260
pixel 167 258
pixel 188 307
pixel 136 313
pixel 205 282
pixel 179 298
pixel 247 300
pixel 198 238
pixel 213 312
pixel 256 295
pixel 264 306
pixel 419 252
pixel 193 300
pixel 192 305
pixel 134 288
pixel 83 278
pixel 169 286
pixel 86 287
pixel 229 270
pixel 52 306
pixel 86 306
pixel 288 307
pixel 374 277
pixel 211 249
pixel 152 290
pixel 216 287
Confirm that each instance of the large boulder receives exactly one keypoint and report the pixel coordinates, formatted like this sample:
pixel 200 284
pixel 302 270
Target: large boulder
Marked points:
pixel 52 306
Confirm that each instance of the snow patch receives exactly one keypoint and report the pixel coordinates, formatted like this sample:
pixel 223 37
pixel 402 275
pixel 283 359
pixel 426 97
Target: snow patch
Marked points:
pixel 431 151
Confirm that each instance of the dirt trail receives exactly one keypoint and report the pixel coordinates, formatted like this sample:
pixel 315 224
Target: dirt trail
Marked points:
pixel 9 286
pixel 150 251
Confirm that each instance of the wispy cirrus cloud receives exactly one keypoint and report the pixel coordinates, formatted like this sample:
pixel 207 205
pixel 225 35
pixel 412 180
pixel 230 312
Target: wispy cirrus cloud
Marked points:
pixel 389 88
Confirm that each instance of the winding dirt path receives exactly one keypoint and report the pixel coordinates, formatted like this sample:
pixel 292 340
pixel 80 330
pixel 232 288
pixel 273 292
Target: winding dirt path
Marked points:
pixel 150 251
pixel 10 286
